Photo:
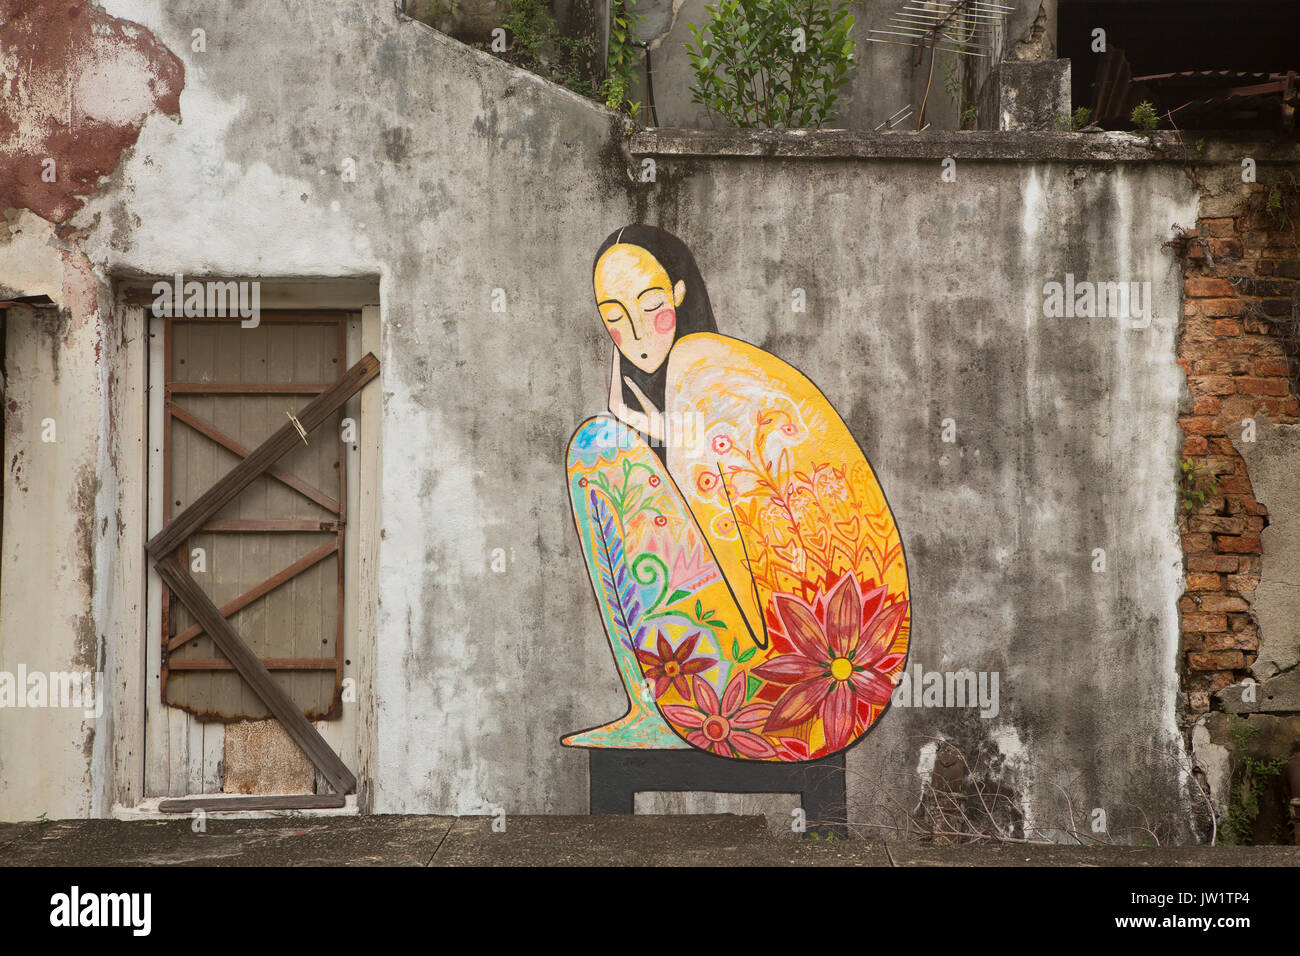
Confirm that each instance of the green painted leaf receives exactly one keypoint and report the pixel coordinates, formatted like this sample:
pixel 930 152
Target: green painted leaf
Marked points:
pixel 752 684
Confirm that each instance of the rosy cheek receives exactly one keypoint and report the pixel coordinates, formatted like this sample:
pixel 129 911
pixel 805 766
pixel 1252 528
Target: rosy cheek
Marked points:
pixel 614 334
pixel 665 320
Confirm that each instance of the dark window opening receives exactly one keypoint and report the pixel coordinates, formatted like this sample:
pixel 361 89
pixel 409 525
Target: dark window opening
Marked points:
pixel 1203 64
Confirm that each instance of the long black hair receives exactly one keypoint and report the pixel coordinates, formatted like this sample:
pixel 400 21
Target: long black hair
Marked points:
pixel 695 314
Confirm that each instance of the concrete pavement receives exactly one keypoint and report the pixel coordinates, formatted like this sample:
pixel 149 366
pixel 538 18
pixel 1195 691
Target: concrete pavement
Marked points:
pixel 679 840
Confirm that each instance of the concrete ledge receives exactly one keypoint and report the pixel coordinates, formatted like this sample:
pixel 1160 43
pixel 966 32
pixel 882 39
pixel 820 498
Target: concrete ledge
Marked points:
pixel 990 146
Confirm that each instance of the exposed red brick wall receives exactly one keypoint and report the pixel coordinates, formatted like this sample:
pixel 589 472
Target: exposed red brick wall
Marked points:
pixel 1238 349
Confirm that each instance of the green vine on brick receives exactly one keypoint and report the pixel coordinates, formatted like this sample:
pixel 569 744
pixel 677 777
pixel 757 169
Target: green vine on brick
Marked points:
pixel 1281 200
pixel 1194 489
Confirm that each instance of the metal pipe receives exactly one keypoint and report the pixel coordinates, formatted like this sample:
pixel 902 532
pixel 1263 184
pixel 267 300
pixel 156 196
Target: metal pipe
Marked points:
pixel 650 84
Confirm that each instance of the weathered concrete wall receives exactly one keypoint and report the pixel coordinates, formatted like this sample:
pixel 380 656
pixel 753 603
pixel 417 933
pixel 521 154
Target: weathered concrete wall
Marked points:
pixel 925 303
pixel 78 85
pixel 465 169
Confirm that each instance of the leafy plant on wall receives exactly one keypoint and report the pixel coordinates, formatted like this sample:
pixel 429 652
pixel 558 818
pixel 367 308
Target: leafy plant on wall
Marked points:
pixel 621 58
pixel 772 63
pixel 539 46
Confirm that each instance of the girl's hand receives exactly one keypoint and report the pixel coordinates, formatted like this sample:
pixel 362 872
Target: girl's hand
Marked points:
pixel 648 421
pixel 616 406
pixel 654 420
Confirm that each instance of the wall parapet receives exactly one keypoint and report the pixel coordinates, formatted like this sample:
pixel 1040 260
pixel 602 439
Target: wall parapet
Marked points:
pixel 990 146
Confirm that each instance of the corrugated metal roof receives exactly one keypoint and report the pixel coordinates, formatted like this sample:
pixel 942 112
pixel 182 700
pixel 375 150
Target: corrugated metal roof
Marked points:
pixel 1203 99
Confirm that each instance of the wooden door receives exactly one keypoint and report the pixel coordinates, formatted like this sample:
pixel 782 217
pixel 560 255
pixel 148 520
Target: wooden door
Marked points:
pixel 270 560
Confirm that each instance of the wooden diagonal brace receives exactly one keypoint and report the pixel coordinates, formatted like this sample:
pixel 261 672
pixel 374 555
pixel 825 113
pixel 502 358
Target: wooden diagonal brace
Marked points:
pixel 208 430
pixel 177 577
pixel 174 534
pixel 252 594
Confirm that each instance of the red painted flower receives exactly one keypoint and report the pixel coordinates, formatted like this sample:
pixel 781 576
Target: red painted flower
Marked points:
pixel 835 665
pixel 673 667
pixel 726 727
pixel 792 749
pixel 582 482
pixel 660 521
pixel 654 481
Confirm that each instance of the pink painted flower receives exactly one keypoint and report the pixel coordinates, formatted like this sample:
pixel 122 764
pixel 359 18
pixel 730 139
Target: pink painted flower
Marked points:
pixel 721 444
pixel 707 481
pixel 673 667
pixel 723 727
pixel 835 665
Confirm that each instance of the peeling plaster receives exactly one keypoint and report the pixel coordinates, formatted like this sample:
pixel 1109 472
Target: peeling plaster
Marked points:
pixel 80 84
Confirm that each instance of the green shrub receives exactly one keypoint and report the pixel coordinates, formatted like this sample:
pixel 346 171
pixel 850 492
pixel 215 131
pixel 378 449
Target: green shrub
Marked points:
pixel 1251 779
pixel 772 63
pixel 1144 116
pixel 543 49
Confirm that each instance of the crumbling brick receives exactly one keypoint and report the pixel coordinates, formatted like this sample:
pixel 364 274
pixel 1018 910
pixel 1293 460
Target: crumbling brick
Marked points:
pixel 1241 361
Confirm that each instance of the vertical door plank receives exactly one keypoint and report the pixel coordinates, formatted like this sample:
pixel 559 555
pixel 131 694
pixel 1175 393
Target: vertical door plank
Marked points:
pixel 157 732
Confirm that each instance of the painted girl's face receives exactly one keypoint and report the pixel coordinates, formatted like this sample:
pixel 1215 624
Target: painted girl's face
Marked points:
pixel 638 303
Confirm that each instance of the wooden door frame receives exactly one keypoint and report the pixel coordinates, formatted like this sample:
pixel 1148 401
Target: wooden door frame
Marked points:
pixel 131 668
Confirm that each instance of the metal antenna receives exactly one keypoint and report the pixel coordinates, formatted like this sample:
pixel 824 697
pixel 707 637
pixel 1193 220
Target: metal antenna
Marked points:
pixel 964 27
pixel 896 118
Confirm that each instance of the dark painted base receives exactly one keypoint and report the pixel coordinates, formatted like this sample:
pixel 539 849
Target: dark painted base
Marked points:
pixel 616 776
